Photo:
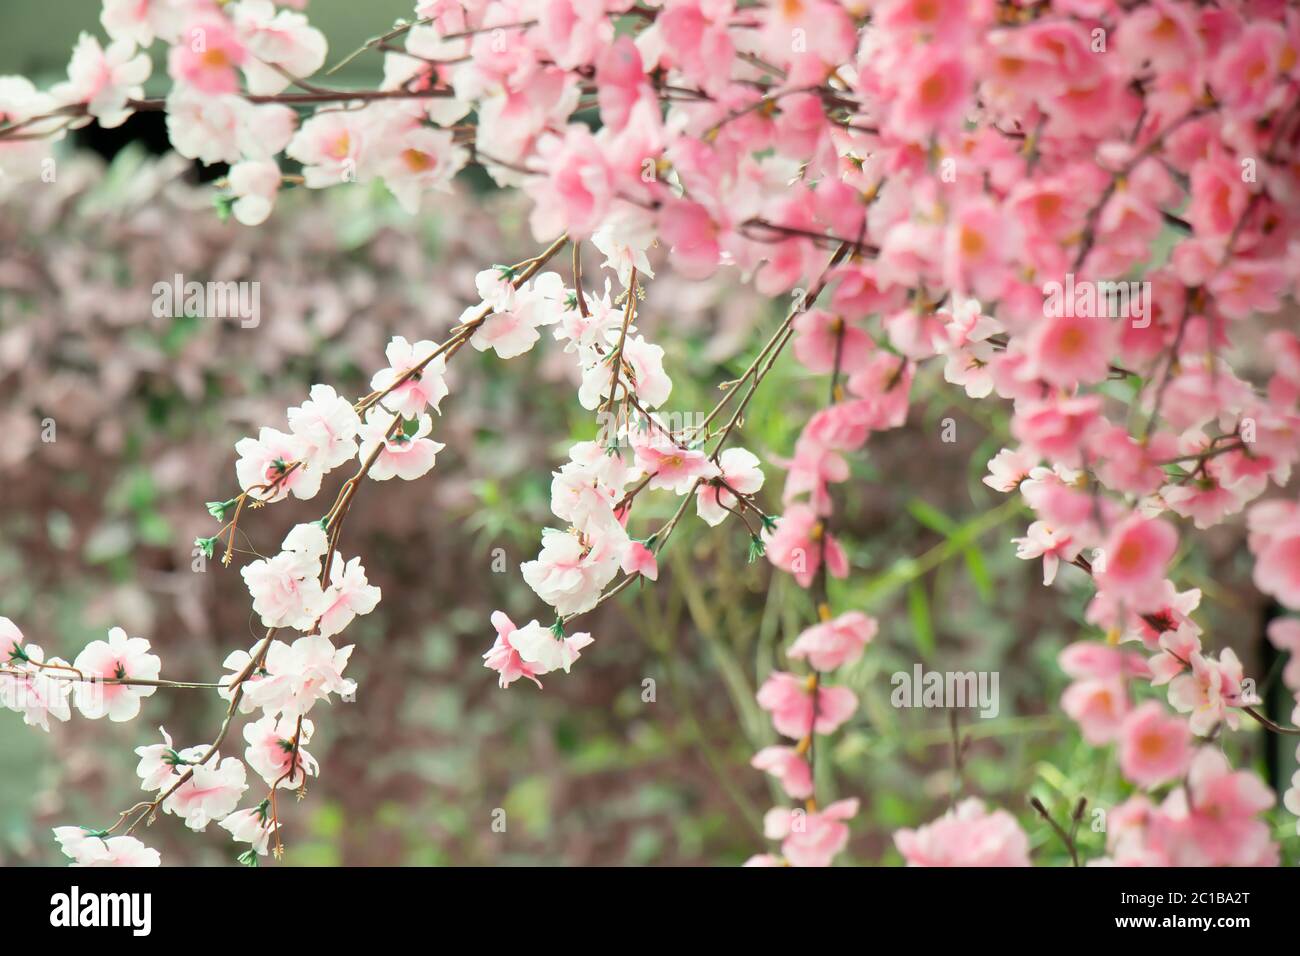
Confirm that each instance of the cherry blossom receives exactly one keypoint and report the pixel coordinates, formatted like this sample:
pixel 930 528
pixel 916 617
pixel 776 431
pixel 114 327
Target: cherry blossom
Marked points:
pixel 1154 747
pixel 277 751
pixel 118 658
pixel 411 386
pixel 798 709
pixel 399 452
pixel 967 835
pixel 836 642
pixel 89 849
pixel 104 79
pixel 811 838
pixel 212 791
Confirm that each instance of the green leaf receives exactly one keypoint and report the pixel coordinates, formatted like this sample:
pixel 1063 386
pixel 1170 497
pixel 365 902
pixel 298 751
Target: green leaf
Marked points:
pixel 918 609
pixel 930 516
pixel 979 573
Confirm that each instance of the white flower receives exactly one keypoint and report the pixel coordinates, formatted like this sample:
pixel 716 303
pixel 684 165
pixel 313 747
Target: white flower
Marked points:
pixel 401 455
pixel 212 791
pixel 281 39
pixel 570 573
pixel 255 184
pixel 118 657
pixel 540 647
pixel 87 849
pixel 104 79
pixel 270 466
pixel 253 826
pixel 286 591
pixel 420 389
pixel 274 754
pixel 348 595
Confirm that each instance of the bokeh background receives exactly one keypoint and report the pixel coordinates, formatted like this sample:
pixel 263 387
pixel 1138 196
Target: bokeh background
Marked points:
pixel 96 530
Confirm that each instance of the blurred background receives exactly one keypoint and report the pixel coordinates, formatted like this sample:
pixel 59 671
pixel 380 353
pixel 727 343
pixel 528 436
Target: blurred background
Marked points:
pixel 96 530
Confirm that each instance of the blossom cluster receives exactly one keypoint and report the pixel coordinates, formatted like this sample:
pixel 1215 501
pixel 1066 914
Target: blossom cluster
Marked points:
pixel 978 220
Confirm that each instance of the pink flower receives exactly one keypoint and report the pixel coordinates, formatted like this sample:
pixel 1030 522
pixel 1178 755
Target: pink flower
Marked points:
pixel 577 191
pixel 1176 649
pixel 87 849
pixel 1209 691
pixel 253 826
pixel 292 677
pixel 405 454
pixel 1053 547
pixel 1212 822
pixel 788 766
pixel 1154 747
pixel 1098 706
pixel 1008 468
pixel 1069 350
pixel 104 79
pixel 119 657
pixel 418 389
pixel 638 559
pixel 970 356
pixel 275 755
pixel 270 466
pixel 695 39
pixel 692 237
pixel 348 595
pixel 741 472
pixel 510 329
pixel 161 764
pixel 502 656
pixel 416 161
pixel 834 643
pixel 811 837
pixel 281 44
pixel 798 543
pixel 327 426
pixel 1284 633
pixel 212 791
pixel 1276 544
pixel 934 86
pixel 1245 73
pixel 544 651
pixel 573 568
pixel 286 589
pixel 38 693
pixel 967 835
pixel 1219 196
pixel 1057 430
pixel 822 339
pixel 227 129
pixel 673 467
pixel 331 147
pixel 795 714
pixel 208 56
pixel 1098 698
pixel 1136 556
pixel 140 21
